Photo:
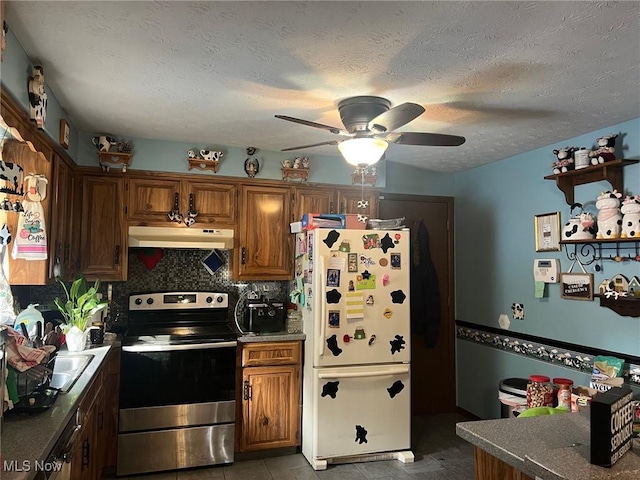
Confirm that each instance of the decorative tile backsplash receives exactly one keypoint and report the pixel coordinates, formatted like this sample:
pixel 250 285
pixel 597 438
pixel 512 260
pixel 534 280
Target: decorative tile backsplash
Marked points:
pixel 177 270
pixel 547 353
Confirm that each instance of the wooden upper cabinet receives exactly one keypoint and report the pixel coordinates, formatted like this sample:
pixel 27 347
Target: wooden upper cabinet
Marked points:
pixel 150 199
pixel 349 200
pixel 314 200
pixel 214 202
pixel 264 245
pixel 61 220
pixel 104 241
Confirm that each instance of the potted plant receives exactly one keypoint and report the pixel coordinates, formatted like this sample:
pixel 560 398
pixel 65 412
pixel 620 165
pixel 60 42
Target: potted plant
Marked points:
pixel 78 308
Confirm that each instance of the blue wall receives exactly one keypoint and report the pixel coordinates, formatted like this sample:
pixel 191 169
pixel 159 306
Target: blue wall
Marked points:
pixel 495 249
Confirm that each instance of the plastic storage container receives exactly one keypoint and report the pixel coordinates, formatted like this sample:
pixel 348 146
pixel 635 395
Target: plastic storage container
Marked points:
pixel 539 392
pixel 564 391
pixel 512 393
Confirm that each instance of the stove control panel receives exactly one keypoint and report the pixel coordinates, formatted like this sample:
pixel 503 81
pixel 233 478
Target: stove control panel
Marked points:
pixel 178 300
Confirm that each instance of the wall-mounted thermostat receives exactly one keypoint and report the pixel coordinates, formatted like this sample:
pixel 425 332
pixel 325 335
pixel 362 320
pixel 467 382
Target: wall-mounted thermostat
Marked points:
pixel 546 270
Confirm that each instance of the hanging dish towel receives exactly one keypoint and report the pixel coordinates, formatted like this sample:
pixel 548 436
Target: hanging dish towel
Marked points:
pixel 31 238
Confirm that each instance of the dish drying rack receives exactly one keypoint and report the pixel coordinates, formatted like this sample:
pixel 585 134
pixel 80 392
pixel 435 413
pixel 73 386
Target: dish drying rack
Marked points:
pixel 36 377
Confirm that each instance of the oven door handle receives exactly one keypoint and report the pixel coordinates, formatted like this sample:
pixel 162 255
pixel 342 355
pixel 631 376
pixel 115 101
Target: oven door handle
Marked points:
pixel 169 348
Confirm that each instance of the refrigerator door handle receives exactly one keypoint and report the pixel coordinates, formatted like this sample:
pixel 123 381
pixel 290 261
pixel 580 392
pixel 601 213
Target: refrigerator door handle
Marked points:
pixel 323 306
pixel 368 373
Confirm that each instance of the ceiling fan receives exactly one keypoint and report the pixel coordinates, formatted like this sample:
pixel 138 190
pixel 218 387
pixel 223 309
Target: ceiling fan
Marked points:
pixel 370 124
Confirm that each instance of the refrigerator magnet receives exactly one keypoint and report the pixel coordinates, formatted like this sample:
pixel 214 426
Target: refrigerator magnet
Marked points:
pixel 387 313
pixel 352 262
pixel 365 281
pixel 372 240
pixel 396 238
pixel 372 340
pixel 345 246
pixel 385 280
pixel 397 344
pixel 370 300
pixel 383 262
pixel 386 243
pixel 396 261
pixel 334 318
pixel 367 261
pixel 359 334
pixel 333 277
pixel 352 286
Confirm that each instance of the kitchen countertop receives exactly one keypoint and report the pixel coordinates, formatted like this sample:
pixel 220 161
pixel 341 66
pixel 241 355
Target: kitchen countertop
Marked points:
pixel 30 438
pixel 552 447
pixel 271 337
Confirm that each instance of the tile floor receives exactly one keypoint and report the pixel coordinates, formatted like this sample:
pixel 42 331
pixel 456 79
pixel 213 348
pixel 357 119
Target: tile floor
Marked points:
pixel 439 455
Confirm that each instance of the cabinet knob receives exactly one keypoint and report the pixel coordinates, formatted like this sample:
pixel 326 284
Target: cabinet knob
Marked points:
pixel 265 421
pixel 243 259
pixel 116 254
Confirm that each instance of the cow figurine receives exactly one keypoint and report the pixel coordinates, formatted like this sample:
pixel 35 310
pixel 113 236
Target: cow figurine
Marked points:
pixel 192 154
pixel 564 161
pixel 37 97
pixel 606 150
pixel 630 217
pixel 104 143
pixel 210 155
pixel 609 216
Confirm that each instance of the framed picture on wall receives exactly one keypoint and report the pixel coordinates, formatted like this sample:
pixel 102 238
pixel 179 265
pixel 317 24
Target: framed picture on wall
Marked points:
pixel 547 232
pixel 64 133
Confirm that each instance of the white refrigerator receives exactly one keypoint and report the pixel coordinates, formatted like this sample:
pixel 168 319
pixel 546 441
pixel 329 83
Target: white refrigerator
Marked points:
pixel 354 296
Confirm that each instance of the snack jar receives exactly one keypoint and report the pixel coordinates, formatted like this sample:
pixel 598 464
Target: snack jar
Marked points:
pixel 564 391
pixel 539 391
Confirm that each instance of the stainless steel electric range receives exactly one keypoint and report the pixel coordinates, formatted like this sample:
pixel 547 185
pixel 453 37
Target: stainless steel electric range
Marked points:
pixel 177 383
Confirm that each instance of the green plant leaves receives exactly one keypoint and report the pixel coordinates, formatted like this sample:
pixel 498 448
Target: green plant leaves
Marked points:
pixel 81 303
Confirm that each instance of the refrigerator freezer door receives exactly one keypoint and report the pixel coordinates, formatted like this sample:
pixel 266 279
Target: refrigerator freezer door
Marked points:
pixel 360 313
pixel 360 410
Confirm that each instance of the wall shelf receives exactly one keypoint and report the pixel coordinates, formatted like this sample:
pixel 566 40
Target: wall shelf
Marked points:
pixel 589 251
pixel 626 307
pixel 107 159
pixel 202 164
pixel 609 171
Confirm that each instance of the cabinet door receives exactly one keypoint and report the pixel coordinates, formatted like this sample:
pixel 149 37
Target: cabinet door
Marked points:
pixel 264 242
pixel 314 200
pixel 270 407
pixel 104 247
pixel 61 220
pixel 214 202
pixel 349 200
pixel 22 271
pixel 151 199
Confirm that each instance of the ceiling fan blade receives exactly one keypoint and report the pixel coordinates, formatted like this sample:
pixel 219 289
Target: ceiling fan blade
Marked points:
pixel 395 117
pixel 330 142
pixel 426 139
pixel 335 130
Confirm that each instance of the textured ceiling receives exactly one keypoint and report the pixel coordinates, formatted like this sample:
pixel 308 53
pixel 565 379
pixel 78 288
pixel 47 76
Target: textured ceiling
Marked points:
pixel 508 76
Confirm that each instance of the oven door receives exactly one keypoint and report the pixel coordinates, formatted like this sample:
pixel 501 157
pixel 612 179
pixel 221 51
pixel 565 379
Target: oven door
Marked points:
pixel 164 386
pixel 177 406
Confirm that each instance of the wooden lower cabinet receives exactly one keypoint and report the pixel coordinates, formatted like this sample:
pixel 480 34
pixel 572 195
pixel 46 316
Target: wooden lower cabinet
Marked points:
pixel 489 467
pixel 269 396
pixel 95 446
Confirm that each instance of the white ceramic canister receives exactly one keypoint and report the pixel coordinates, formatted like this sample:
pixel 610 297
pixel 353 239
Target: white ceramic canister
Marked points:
pixel 581 158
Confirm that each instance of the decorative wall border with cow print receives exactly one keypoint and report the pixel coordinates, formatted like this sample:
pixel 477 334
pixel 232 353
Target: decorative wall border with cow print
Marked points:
pixel 567 355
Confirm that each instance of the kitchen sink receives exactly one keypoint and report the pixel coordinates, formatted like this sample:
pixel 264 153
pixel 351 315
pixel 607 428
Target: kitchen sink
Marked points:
pixel 67 369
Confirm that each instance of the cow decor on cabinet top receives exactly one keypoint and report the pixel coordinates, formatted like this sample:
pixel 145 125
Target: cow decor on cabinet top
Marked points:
pixel 630 217
pixel 564 162
pixel 37 97
pixel 609 216
pixel 580 226
pixel 606 150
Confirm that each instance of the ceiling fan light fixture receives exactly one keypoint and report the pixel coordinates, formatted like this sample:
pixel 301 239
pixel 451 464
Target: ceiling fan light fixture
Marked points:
pixel 362 152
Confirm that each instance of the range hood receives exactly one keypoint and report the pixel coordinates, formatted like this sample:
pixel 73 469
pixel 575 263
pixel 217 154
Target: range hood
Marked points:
pixel 174 237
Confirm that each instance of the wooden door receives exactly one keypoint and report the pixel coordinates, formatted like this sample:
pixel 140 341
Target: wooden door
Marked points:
pixel 270 413
pixel 104 243
pixel 74 236
pixel 62 220
pixel 264 242
pixel 437 364
pixel 151 199
pixel 214 202
pixel 314 200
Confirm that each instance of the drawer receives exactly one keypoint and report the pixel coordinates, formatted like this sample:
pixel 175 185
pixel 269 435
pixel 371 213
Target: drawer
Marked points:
pixel 277 353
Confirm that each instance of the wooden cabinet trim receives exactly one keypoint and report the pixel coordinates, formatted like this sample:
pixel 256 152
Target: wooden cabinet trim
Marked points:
pixel 263 354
